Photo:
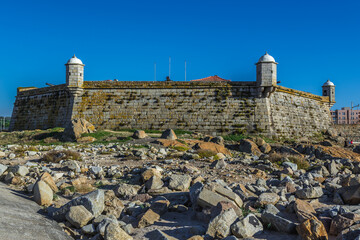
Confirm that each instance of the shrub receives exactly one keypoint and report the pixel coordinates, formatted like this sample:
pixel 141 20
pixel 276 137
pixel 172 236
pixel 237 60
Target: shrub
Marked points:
pixel 57 156
pixel 278 159
pixel 180 148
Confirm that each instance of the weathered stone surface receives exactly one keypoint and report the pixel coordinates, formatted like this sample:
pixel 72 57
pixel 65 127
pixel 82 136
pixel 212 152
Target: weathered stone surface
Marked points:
pixel 265 148
pixel 115 232
pixel 3 168
pixel 267 198
pixel 139 134
pixel 19 170
pixel 343 221
pixel 154 183
pixel 312 229
pixel 20 219
pixel 279 223
pixel 208 198
pixel 304 210
pixel 219 227
pixel 223 206
pixel 113 205
pixel 93 202
pixel 249 146
pixel 43 195
pixel 212 147
pixel 228 194
pixel 76 127
pixel 149 173
pixel 169 134
pixel 309 192
pixel 78 216
pixel 179 182
pixel 46 177
pixel 126 191
pixel 247 226
pixel 351 194
pixel 148 218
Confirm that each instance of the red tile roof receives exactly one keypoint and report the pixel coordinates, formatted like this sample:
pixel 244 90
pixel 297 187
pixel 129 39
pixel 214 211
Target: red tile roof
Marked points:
pixel 214 78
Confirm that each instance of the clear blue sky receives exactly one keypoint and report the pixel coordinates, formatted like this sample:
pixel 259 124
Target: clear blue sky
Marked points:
pixel 311 40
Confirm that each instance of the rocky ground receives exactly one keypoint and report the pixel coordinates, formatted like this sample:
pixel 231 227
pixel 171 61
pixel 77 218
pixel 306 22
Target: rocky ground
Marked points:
pixel 190 186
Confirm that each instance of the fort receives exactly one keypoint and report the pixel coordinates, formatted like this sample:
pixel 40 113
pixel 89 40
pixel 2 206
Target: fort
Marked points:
pixel 213 107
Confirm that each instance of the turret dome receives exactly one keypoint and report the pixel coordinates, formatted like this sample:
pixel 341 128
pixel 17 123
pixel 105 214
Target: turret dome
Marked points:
pixel 266 58
pixel 74 60
pixel 328 83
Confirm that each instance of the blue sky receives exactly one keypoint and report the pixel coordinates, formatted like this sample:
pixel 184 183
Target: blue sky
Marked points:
pixel 311 40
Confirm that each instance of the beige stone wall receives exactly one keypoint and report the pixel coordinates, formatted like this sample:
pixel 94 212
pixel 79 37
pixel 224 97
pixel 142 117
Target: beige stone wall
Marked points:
pixel 214 108
pixel 41 108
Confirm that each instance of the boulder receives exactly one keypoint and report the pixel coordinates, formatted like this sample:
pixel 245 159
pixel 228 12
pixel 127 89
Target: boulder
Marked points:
pixel 281 224
pixel 126 191
pixel 115 232
pixel 139 134
pixel 219 227
pixel 19 170
pixel 207 198
pixel 149 173
pixel 211 147
pixel 43 195
pixel 342 221
pixel 148 218
pixel 304 210
pixel 93 202
pixel 218 140
pixel 267 198
pixel 76 127
pixel 228 194
pixel 113 205
pixel 312 229
pixel 218 164
pixel 169 134
pixel 351 194
pixel 46 177
pixel 248 146
pixel 3 168
pixel 247 226
pixel 265 148
pixel 160 235
pixel 309 192
pixel 78 216
pixel 179 182
pixel 154 183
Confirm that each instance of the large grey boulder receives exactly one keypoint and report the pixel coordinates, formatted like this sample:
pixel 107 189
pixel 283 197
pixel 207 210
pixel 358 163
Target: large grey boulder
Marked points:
pixel 126 191
pixel 76 127
pixel 279 223
pixel 19 170
pixel 309 192
pixel 115 232
pixel 219 227
pixel 179 182
pixel 43 195
pixel 93 202
pixel 78 216
pixel 247 226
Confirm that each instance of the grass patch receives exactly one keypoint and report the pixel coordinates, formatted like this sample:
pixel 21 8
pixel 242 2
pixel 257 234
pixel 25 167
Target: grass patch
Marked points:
pixel 98 135
pixel 103 136
pixel 57 156
pixel 180 148
pixel 140 146
pixel 234 137
pixel 181 132
pixel 206 153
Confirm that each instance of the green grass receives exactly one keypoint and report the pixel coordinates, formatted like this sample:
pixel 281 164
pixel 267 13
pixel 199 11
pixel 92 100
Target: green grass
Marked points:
pixel 180 148
pixel 98 135
pixel 206 153
pixel 234 137
pixel 181 132
pixel 140 146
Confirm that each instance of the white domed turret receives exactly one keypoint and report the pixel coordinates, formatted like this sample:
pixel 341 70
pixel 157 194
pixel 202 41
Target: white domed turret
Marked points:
pixel 74 72
pixel 266 72
pixel 328 83
pixel 266 58
pixel 74 60
pixel 329 90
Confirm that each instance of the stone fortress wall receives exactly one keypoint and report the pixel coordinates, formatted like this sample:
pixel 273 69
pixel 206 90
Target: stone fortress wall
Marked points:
pixel 209 107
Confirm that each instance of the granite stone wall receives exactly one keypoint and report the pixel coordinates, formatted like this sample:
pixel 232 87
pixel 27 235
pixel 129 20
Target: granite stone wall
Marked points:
pixel 214 108
pixel 41 108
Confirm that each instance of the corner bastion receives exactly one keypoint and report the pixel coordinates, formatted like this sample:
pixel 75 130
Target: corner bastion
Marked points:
pixel 213 107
